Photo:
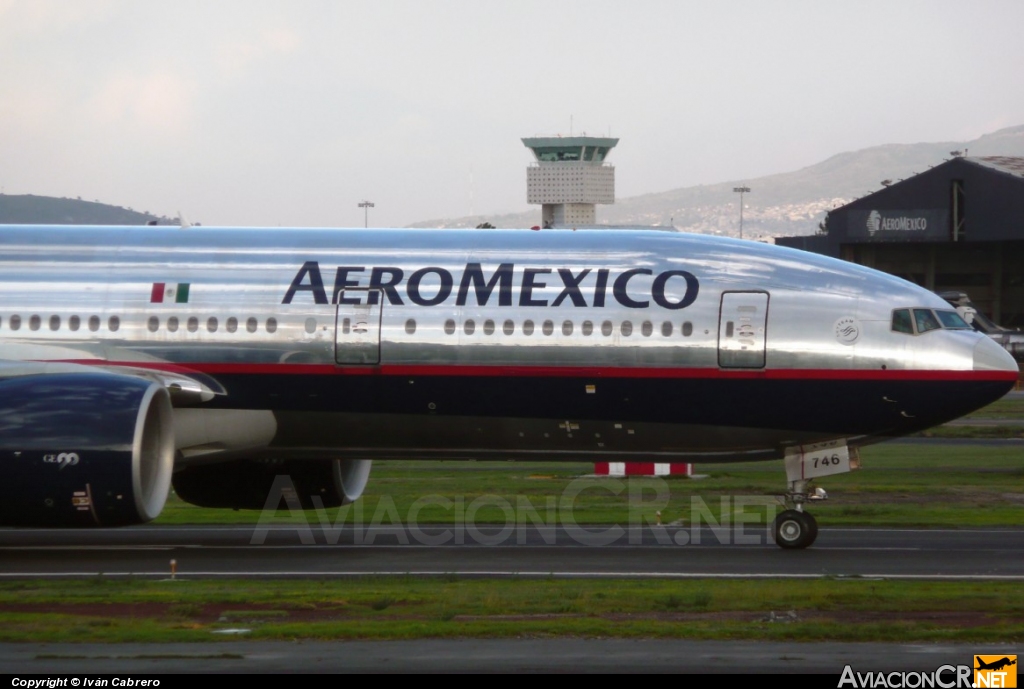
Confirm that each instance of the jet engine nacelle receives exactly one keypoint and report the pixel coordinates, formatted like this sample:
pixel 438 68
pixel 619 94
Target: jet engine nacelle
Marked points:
pixel 83 449
pixel 253 484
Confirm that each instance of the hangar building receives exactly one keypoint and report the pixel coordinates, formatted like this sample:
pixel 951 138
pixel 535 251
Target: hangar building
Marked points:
pixel 958 226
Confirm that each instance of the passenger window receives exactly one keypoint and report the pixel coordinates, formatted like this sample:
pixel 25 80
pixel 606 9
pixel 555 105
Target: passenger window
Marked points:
pixel 488 327
pixel 527 327
pixel 925 320
pixel 588 328
pixel 211 324
pixel 74 323
pixel 94 323
pixel 410 326
pixel 901 322
pixel 469 327
pixel 15 322
pixel 647 328
pixel 666 329
pixel 251 325
pixel 626 329
pixel 549 327
pixel 687 329
pixel 606 328
pixel 508 327
pixel 193 324
pixel 172 324
pixel 232 324
pixel 271 325
pixel 567 328
pixel 154 324
pixel 113 324
pixel 34 322
pixel 54 322
pixel 449 327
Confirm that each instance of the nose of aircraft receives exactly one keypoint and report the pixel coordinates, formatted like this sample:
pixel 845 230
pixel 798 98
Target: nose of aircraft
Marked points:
pixel 990 356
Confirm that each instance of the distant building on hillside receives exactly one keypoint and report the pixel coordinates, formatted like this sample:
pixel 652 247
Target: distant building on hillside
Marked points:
pixel 956 227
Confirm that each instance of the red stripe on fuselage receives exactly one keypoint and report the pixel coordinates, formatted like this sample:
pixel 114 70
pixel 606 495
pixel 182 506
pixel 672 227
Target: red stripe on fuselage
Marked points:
pixel 555 371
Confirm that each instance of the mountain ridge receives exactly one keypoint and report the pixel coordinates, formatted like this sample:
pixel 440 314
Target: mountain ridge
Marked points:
pixel 30 209
pixel 788 203
pixel 784 203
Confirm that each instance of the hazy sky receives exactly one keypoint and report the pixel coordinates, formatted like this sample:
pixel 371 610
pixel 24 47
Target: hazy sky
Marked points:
pixel 267 113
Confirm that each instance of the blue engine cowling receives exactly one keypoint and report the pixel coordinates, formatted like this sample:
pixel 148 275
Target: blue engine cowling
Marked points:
pixel 83 449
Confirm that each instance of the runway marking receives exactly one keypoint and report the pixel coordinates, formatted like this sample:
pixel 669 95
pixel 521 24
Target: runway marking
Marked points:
pixel 393 529
pixel 957 531
pixel 118 548
pixel 526 574
pixel 766 547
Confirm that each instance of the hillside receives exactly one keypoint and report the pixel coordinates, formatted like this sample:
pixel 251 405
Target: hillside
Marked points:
pixel 790 203
pixel 29 209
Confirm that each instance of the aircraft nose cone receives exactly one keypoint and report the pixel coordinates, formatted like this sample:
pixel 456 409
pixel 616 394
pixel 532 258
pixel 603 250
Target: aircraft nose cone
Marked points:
pixel 990 356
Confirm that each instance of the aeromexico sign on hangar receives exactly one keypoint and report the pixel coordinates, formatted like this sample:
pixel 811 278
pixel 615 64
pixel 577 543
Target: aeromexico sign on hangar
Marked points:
pixel 898 225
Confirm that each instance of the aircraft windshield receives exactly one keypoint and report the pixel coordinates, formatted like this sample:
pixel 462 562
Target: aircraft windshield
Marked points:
pixel 952 320
pixel 925 320
pixel 901 322
pixel 917 321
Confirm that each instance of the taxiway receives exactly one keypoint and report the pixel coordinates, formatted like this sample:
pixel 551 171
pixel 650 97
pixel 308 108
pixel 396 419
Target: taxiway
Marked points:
pixel 580 551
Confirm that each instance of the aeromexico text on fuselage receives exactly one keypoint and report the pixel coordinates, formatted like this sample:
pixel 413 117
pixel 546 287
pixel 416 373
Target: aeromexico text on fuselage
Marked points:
pixel 433 285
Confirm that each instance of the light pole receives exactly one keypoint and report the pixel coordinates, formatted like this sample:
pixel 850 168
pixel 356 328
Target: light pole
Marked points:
pixel 366 206
pixel 742 191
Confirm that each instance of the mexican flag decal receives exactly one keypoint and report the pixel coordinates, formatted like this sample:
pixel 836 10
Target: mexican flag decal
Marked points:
pixel 176 292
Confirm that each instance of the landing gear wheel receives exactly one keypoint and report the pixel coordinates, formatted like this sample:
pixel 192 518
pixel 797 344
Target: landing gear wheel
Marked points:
pixel 793 529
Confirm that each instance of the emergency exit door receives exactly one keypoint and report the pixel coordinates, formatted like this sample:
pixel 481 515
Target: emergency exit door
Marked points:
pixel 357 328
pixel 742 322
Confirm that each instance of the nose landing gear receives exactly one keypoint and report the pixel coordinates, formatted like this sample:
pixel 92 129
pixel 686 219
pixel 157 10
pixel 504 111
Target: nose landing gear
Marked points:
pixel 795 529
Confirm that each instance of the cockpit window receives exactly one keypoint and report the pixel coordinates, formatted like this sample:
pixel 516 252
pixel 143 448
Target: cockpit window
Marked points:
pixel 925 320
pixel 905 320
pixel 952 320
pixel 901 322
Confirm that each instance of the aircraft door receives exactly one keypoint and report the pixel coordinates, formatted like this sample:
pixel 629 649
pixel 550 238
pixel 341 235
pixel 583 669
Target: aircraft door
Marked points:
pixel 357 327
pixel 741 329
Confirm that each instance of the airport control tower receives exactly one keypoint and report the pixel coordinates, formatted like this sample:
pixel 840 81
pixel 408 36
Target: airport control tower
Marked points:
pixel 569 178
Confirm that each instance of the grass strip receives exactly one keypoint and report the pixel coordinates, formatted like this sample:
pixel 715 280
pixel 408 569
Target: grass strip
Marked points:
pixel 408 608
pixel 954 486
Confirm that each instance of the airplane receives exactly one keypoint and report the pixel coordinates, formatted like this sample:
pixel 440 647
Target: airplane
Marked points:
pixel 213 359
pixel 995 664
pixel 1012 340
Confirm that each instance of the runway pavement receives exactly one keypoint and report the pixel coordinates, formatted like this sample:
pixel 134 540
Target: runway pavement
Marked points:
pixel 605 551
pixel 485 655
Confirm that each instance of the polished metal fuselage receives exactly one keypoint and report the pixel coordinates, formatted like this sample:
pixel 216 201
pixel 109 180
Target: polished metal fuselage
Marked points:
pixel 331 331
